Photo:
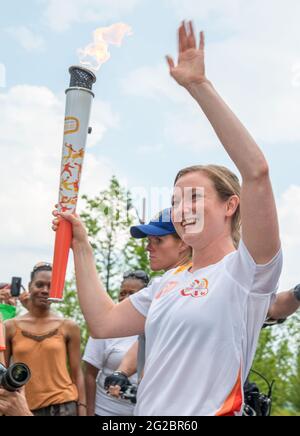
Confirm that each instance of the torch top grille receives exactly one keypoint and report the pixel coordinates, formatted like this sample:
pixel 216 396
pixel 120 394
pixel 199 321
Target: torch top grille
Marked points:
pixel 82 78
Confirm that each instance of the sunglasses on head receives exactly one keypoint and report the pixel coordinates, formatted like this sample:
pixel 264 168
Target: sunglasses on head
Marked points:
pixel 41 265
pixel 141 275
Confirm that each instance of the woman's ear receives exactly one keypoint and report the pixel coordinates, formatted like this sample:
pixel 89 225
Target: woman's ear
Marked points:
pixel 232 205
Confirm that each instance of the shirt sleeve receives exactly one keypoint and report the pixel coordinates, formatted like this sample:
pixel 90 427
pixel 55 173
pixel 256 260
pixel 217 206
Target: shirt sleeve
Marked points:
pixel 262 283
pixel 95 352
pixel 256 279
pixel 142 300
pixel 267 276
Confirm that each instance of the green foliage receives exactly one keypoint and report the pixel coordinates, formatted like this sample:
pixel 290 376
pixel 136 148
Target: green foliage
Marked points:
pixel 108 218
pixel 294 395
pixel 277 358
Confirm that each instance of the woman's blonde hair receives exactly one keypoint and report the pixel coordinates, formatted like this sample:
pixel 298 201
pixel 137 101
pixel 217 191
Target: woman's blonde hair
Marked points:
pixel 226 184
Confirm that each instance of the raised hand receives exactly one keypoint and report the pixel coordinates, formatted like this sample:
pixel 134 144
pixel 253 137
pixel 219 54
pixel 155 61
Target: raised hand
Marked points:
pixel 191 61
pixel 5 294
pixel 25 299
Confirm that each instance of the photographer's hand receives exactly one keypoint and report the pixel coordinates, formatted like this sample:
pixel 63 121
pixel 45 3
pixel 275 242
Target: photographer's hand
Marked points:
pixel 25 299
pixel 5 294
pixel 116 383
pixel 14 403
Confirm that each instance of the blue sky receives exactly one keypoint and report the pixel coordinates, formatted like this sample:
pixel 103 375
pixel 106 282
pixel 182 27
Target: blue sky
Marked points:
pixel 145 127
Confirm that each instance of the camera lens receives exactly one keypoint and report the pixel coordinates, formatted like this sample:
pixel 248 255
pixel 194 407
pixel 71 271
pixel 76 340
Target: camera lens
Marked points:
pixel 19 373
pixel 16 377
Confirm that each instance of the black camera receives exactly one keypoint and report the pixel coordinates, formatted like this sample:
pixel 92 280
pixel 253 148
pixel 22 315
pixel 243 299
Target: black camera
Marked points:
pixel 16 285
pixel 130 394
pixel 14 377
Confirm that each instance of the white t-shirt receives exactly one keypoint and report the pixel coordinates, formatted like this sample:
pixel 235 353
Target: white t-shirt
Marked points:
pixel 107 355
pixel 202 330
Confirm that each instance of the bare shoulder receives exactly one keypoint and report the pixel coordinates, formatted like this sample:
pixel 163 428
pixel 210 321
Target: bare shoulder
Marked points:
pixel 10 328
pixel 71 328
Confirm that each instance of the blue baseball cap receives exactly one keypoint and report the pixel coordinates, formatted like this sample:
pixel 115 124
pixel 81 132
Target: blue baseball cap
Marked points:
pixel 161 225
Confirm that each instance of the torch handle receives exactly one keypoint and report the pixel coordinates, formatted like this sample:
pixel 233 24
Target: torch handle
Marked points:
pixel 61 256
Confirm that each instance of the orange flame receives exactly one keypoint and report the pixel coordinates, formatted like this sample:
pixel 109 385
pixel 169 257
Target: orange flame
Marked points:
pixel 97 53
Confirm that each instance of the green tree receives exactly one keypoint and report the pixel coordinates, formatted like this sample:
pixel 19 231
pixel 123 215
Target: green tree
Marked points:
pixel 295 387
pixel 108 218
pixel 294 396
pixel 276 361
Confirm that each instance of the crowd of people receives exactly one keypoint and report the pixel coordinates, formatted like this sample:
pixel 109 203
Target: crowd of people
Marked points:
pixel 187 339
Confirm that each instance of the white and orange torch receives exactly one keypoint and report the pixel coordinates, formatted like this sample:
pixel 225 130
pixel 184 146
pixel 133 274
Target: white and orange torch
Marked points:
pixel 77 119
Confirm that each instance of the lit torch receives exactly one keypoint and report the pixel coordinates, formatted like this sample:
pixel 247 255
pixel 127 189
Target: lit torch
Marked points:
pixel 78 109
pixel 77 118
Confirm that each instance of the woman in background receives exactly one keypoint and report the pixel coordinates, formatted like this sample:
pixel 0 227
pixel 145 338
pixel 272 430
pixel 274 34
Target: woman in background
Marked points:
pixel 48 345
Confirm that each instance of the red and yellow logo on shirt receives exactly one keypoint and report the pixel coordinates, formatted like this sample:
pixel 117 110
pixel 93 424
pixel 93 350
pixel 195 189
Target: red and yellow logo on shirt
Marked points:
pixel 198 289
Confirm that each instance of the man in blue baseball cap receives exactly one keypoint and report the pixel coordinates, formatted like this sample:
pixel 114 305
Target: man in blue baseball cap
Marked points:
pixel 161 225
pixel 166 249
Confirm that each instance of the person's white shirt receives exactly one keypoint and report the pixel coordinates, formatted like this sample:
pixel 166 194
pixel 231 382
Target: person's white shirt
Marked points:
pixel 202 331
pixel 107 355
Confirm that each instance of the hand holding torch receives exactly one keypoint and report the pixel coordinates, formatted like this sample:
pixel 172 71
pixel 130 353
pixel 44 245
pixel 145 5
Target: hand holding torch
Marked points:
pixel 79 97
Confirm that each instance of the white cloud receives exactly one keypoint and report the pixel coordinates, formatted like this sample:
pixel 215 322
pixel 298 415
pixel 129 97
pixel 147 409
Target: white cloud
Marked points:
pixel 60 15
pixel 154 83
pixel 184 123
pixel 289 217
pixel 26 38
pixel 253 60
pixel 31 128
pixel 255 17
pixel 2 76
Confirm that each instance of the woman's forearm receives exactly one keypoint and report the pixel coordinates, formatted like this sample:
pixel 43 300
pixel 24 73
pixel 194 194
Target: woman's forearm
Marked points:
pixel 284 306
pixel 94 300
pixel 129 362
pixel 235 138
pixel 82 402
pixel 91 387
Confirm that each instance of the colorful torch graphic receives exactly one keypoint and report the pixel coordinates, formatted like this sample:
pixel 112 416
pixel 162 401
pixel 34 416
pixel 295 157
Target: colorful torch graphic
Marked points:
pixel 78 109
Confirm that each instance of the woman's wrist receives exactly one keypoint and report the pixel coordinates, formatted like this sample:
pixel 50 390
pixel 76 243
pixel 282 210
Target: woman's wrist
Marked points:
pixel 82 245
pixel 195 89
pixel 122 372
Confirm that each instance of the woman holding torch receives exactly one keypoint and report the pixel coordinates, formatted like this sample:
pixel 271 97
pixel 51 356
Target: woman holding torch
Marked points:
pixel 202 323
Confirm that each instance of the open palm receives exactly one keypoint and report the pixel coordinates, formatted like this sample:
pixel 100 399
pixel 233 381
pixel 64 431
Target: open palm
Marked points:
pixel 191 65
